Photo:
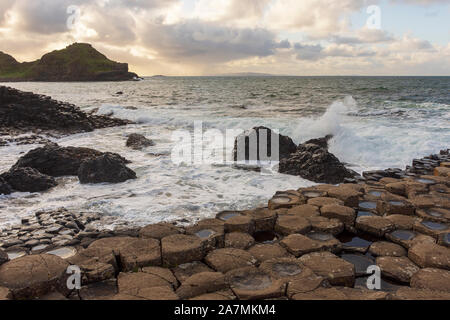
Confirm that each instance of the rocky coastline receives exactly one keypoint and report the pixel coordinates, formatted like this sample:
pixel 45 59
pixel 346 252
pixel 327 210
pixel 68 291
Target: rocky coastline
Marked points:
pixel 313 243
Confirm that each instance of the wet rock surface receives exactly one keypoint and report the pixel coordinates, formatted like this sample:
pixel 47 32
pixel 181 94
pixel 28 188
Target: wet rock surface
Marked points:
pixel 138 142
pixel 311 243
pixel 22 112
pixel 28 180
pixel 105 168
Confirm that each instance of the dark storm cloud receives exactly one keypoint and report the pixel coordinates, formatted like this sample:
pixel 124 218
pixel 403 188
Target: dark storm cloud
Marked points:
pixel 201 41
pixel 308 52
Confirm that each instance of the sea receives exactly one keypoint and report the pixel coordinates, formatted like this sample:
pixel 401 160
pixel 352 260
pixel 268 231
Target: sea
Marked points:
pixel 376 123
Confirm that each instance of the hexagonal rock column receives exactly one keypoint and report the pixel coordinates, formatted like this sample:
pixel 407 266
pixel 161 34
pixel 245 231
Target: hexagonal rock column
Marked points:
pixel 144 286
pixel 178 249
pixel 433 279
pixel 430 255
pixel 241 223
pixel 263 252
pixel 374 225
pixel 202 283
pixel 338 271
pixel 264 219
pixel 185 270
pixel 325 201
pixel 387 249
pixel 408 238
pixel 397 268
pixel 162 273
pixel 210 231
pixel 33 276
pixel 286 200
pixel 224 260
pixel 298 244
pixel 402 221
pixel 239 240
pixel 305 210
pixel 286 269
pixel 322 224
pixel 132 252
pixel 395 206
pixel 250 283
pixel 346 194
pixel 345 214
pixel 407 293
pixel 159 231
pixel 216 296
pixel 288 224
pixel 434 229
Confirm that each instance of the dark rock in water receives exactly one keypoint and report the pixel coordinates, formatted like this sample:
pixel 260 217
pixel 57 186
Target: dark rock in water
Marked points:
pixel 28 180
pixel 5 188
pixel 22 112
pixel 321 142
pixel 313 162
pixel 57 161
pixel 105 168
pixel 286 145
pixel 138 141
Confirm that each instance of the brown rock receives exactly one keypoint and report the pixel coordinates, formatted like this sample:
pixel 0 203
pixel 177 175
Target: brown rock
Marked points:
pixel 442 172
pixel 210 231
pixel 286 269
pixel 434 229
pixel 240 223
pixel 345 214
pixel 263 252
pixel 321 294
pixel 306 282
pixel 322 224
pixel 387 249
pixel 397 268
pixel 398 188
pixel 216 296
pixel 250 283
pixel 374 225
pixel 185 270
pixel 338 271
pixel 178 249
pixel 33 276
pixel 5 294
pixel 430 255
pixel 3 257
pixel 163 293
pixel 287 224
pixel 401 221
pixel 133 283
pixel 224 260
pixel 363 294
pixel 345 193
pixel 102 290
pixel 390 206
pixel 132 252
pixel 305 211
pixel 239 240
pixel 163 273
pixel 286 200
pixel 159 231
pixel 432 279
pixel 407 293
pixel 96 264
pixel 202 283
pixel 263 218
pixel 298 244
pixel 440 215
pixel 325 201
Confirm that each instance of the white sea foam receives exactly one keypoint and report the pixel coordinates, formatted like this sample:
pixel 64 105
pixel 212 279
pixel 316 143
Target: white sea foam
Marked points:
pixel 388 137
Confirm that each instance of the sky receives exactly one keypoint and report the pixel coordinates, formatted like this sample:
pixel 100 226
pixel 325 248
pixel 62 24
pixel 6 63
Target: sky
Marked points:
pixel 211 37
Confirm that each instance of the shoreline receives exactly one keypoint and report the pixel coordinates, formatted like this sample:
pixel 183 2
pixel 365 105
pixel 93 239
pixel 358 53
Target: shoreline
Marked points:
pixel 337 224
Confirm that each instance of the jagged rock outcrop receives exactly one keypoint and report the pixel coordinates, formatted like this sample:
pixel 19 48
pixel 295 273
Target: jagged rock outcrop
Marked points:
pixel 25 111
pixel 105 168
pixel 57 161
pixel 77 62
pixel 286 145
pixel 312 161
pixel 5 188
pixel 28 180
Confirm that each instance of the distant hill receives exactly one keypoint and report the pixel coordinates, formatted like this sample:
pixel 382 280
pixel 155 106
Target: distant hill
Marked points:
pixel 247 74
pixel 77 62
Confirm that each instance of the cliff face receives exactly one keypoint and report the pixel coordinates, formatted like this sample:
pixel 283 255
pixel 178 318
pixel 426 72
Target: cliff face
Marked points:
pixel 77 62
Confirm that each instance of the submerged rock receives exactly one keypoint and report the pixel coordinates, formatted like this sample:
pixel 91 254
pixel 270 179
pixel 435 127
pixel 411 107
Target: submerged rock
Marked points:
pixel 138 142
pixel 28 180
pixel 57 161
pixel 105 168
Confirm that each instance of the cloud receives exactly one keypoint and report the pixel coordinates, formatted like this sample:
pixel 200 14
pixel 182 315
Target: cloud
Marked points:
pixel 363 36
pixel 197 41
